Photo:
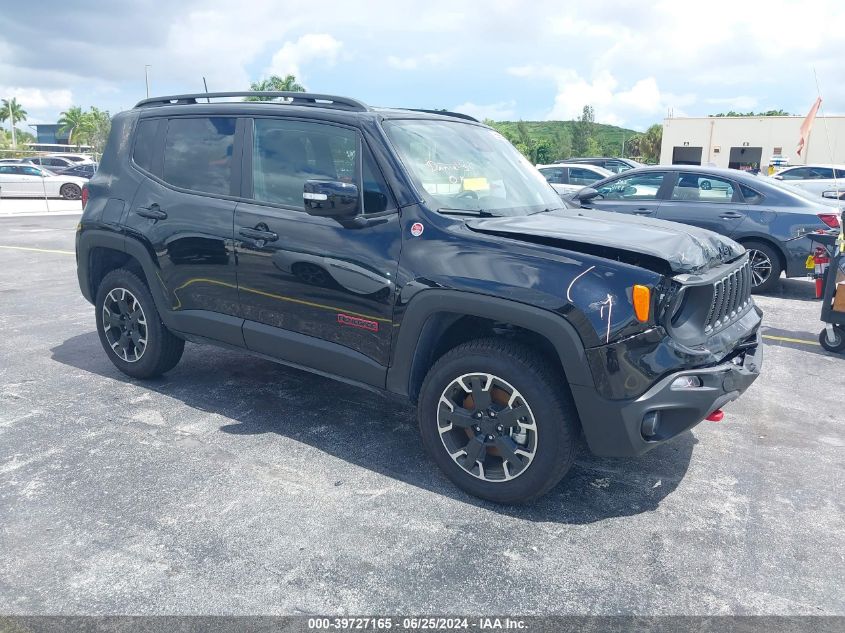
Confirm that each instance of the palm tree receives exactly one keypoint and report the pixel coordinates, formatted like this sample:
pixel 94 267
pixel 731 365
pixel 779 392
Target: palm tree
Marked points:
pixel 275 84
pixel 11 108
pixel 73 121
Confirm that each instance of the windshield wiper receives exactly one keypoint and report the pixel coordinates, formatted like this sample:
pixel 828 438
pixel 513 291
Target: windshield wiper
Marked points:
pixel 476 213
pixel 547 210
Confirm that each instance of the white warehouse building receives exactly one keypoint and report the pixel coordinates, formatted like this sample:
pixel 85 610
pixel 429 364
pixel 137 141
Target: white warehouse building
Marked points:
pixel 751 143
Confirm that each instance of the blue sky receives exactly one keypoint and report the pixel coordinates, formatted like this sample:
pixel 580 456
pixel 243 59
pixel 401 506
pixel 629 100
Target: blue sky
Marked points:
pixel 632 61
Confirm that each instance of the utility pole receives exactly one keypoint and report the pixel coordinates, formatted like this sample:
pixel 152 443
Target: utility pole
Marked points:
pixel 147 79
pixel 623 144
pixel 12 119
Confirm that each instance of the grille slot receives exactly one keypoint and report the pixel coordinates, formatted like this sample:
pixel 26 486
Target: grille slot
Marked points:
pixel 731 295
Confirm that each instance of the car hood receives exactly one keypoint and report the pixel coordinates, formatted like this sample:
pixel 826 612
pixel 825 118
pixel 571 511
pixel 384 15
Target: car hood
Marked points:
pixel 685 249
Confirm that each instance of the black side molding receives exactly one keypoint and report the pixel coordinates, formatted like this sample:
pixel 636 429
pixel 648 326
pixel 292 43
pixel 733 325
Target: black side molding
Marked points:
pixel 423 306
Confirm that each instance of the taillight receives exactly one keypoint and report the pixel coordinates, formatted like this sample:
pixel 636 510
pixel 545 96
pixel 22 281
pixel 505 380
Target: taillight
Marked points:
pixel 85 195
pixel 831 219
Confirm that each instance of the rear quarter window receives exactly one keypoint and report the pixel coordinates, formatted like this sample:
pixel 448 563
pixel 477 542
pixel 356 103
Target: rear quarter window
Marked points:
pixel 145 136
pixel 750 196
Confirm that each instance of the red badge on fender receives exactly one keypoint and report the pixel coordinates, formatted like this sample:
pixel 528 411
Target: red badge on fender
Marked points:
pixel 417 229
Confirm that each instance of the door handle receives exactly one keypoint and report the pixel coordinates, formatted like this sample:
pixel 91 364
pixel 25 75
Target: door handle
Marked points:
pixel 153 212
pixel 730 215
pixel 643 212
pixel 257 233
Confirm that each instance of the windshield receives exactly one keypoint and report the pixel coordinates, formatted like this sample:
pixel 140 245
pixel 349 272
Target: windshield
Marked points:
pixel 461 167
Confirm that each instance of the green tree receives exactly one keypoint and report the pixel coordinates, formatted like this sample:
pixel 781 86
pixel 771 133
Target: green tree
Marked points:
pixel 274 83
pixel 649 143
pixel 10 108
pixel 98 126
pixel 583 133
pixel 75 122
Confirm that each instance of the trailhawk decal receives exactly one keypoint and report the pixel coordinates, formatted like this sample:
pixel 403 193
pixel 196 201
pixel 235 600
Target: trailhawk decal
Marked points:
pixel 352 321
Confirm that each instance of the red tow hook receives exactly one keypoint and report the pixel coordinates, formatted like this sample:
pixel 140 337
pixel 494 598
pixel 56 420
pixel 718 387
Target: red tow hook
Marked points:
pixel 716 416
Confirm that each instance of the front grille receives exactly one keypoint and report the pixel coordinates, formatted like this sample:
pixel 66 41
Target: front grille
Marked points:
pixel 731 295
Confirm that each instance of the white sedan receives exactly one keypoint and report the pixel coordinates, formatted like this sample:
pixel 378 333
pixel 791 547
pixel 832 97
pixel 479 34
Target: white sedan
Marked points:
pixel 827 181
pixel 567 178
pixel 31 181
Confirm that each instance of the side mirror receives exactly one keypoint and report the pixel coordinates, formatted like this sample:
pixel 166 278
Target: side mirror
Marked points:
pixel 330 198
pixel 586 194
pixel 777 177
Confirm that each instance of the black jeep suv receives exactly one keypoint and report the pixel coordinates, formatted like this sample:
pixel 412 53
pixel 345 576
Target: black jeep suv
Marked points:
pixel 415 253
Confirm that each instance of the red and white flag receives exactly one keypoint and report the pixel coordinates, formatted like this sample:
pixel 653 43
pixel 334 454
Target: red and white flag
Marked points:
pixel 807 125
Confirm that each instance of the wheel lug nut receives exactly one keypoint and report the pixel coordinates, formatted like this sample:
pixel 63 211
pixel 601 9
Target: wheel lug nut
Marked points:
pixel 477 429
pixel 491 413
pixel 489 438
pixel 477 415
pixel 500 428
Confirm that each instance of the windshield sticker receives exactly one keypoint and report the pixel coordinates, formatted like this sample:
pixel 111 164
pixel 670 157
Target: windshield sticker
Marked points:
pixel 476 184
pixel 447 167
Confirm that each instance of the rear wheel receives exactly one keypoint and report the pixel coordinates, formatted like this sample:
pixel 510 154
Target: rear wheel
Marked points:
pixel 765 266
pixel 836 343
pixel 130 329
pixel 498 420
pixel 70 191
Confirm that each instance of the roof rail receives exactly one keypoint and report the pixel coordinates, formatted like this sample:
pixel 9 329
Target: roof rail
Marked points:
pixel 459 115
pixel 294 98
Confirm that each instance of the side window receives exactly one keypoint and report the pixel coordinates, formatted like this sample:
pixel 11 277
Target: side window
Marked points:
pixel 31 171
pixel 822 172
pixel 287 153
pixel 198 154
pixel 581 176
pixel 638 187
pixel 145 135
pixel 751 196
pixel 802 173
pixel 377 196
pixel 553 175
pixel 4 169
pixel 702 188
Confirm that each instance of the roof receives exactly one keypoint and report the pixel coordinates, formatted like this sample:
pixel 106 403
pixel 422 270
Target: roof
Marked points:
pixel 292 102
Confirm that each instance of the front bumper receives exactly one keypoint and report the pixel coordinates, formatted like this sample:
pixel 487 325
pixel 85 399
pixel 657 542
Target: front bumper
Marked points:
pixel 614 428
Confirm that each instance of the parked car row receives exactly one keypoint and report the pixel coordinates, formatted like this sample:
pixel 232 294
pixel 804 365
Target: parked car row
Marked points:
pixel 769 219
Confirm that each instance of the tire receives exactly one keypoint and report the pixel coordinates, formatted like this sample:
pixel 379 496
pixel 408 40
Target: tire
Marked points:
pixel 764 259
pixel 837 344
pixel 70 191
pixel 543 398
pixel 122 339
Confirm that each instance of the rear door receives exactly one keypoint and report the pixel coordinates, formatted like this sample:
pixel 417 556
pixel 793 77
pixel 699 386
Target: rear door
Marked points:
pixel 635 194
pixel 711 202
pixel 185 210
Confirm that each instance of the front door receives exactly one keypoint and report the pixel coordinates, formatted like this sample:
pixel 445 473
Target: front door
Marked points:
pixel 186 211
pixel 637 194
pixel 710 202
pixel 315 291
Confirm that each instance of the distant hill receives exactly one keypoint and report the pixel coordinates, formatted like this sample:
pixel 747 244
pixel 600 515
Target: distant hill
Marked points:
pixel 557 135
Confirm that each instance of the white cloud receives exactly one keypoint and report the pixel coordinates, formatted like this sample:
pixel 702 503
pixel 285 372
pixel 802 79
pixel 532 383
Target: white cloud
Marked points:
pixel 501 111
pixel 311 47
pixel 37 99
pixel 428 60
pixel 611 103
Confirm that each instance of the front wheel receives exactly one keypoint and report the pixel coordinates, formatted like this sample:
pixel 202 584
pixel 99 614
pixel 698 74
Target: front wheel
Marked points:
pixel 765 266
pixel 498 419
pixel 835 343
pixel 70 191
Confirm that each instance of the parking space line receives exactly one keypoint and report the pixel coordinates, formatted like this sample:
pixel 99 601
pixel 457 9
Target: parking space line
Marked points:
pixel 37 250
pixel 786 339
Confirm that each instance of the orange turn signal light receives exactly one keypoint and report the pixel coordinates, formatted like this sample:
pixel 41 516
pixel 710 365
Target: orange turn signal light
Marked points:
pixel 641 297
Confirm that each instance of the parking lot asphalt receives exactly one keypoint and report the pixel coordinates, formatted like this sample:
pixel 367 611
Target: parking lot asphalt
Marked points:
pixel 237 486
